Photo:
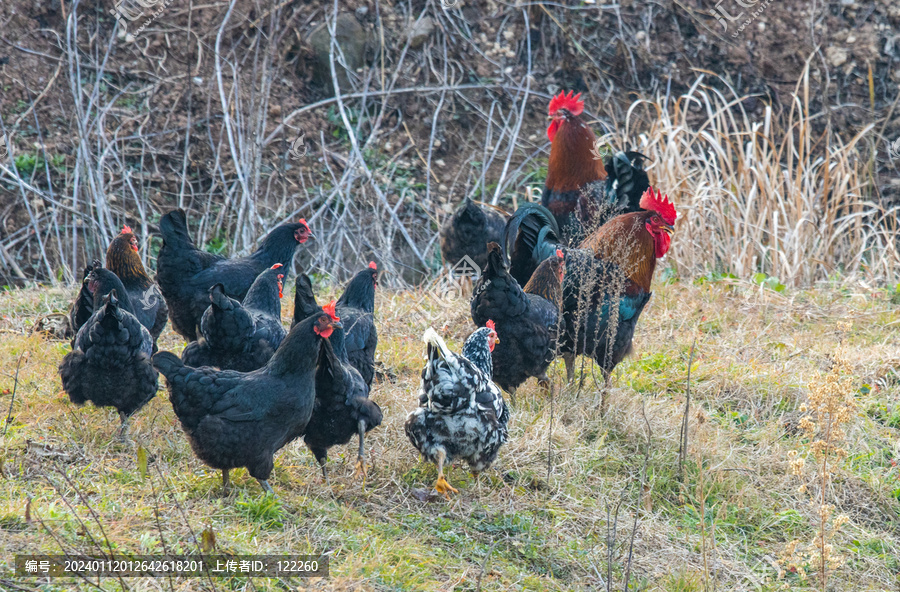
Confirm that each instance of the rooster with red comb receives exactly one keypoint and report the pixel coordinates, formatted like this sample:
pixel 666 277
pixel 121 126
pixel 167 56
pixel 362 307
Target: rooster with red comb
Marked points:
pixel 611 273
pixel 611 270
pixel 581 191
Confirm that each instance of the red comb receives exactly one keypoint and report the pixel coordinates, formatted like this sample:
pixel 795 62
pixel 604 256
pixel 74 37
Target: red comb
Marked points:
pixel 126 229
pixel 303 221
pixel 329 310
pixel 373 265
pixel 573 104
pixel 276 266
pixel 559 254
pixel 660 204
pixel 490 325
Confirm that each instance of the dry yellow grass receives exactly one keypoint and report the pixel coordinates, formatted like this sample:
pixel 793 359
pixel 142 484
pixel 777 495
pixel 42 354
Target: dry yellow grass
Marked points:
pixel 517 528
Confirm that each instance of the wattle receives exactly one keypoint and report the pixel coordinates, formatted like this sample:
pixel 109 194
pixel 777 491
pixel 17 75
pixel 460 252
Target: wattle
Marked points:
pixel 661 243
pixel 551 130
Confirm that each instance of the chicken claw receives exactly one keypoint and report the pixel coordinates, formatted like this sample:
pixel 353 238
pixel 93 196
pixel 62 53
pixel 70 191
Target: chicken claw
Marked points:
pixel 361 472
pixel 444 488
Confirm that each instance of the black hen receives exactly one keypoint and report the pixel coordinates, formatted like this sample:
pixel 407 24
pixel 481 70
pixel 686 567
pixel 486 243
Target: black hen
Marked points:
pixel 83 305
pixel 356 308
pixel 467 231
pixel 461 412
pixel 110 362
pixel 236 419
pixel 343 407
pixel 185 273
pixel 526 323
pixel 239 336
pixel 304 299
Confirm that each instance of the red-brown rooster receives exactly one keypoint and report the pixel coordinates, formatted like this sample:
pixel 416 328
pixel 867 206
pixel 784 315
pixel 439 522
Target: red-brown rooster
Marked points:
pixel 581 190
pixel 607 280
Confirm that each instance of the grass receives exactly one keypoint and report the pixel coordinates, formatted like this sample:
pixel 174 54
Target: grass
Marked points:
pixel 68 485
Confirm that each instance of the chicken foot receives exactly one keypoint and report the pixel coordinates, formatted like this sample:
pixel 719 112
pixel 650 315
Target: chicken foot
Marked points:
pixel 441 485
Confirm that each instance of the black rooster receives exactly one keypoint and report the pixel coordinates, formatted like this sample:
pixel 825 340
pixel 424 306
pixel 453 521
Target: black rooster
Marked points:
pixel 110 362
pixel 236 419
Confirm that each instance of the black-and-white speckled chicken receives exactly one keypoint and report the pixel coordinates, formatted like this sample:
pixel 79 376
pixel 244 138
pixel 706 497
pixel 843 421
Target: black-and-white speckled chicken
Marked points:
pixel 461 413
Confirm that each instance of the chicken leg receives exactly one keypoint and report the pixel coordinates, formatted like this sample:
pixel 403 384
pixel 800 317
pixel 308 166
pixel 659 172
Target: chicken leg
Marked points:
pixel 361 455
pixel 268 488
pixel 123 428
pixel 604 392
pixel 569 359
pixel 226 483
pixel 324 472
pixel 441 485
